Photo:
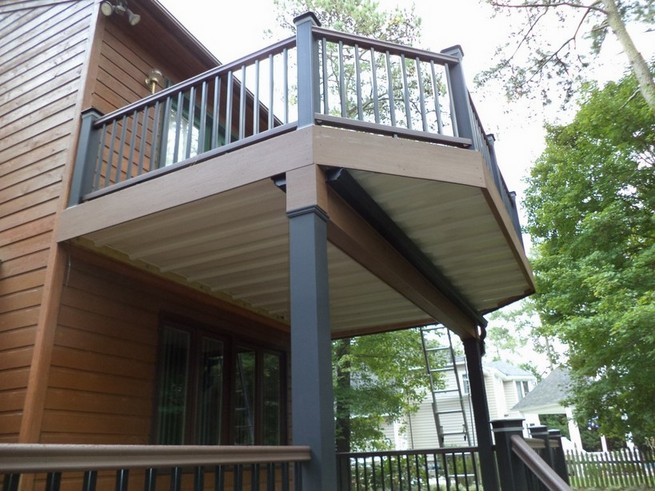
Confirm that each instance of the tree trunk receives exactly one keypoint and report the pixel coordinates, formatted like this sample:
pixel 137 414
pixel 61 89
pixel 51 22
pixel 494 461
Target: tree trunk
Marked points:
pixel 637 63
pixel 342 395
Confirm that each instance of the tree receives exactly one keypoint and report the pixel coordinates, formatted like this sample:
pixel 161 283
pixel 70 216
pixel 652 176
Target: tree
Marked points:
pixel 590 203
pixel 561 38
pixel 377 378
pixel 363 17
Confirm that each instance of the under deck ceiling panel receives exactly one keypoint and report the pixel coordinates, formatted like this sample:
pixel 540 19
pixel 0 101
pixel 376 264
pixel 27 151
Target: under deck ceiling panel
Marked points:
pixel 454 226
pixel 236 245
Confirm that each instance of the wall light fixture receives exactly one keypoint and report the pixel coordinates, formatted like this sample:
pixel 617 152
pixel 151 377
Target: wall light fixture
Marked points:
pixel 120 8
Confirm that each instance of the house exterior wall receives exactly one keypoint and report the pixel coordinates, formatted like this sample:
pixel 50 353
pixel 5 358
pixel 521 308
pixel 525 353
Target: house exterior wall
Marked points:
pixel 418 429
pixel 56 59
pixel 42 64
pixel 102 380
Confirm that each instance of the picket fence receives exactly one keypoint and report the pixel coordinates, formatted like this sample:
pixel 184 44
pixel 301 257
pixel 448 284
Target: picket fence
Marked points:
pixel 617 469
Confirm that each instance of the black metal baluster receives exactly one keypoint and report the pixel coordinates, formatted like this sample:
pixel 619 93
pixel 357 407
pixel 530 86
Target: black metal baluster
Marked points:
pixel 53 481
pixel 202 131
pixel 242 104
pixel 178 126
pixel 150 482
pixel 122 476
pixel 219 478
pixel 192 116
pixel 255 102
pixel 284 471
pixel 11 482
pixel 374 81
pixel 358 85
pixel 176 479
pixel 408 112
pixel 228 109
pixel 110 157
pixel 238 477
pixel 324 69
pixel 89 481
pixel 121 147
pixel 270 477
pixel 198 479
pixel 144 136
pixel 254 478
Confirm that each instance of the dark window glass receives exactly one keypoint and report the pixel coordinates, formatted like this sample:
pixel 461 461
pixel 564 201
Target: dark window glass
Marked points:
pixel 192 399
pixel 173 386
pixel 272 403
pixel 244 395
pixel 210 392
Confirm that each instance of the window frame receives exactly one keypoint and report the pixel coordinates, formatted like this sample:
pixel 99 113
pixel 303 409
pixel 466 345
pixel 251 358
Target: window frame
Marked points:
pixel 231 344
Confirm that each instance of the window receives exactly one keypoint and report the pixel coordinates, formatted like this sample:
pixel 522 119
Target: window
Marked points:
pixel 522 388
pixel 193 400
pixel 185 135
pixel 466 386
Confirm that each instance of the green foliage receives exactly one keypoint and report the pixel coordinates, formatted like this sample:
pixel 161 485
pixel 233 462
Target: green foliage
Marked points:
pixel 378 379
pixel 363 17
pixel 590 204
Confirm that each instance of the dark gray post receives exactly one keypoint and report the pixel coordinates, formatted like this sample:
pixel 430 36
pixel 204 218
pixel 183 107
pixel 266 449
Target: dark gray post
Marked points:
pixel 312 400
pixel 308 80
pixel 559 457
pixel 460 96
pixel 540 432
pixel 473 352
pixel 85 160
pixel 509 465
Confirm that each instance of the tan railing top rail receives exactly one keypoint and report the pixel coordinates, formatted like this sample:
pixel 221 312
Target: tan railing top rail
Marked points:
pixel 537 465
pixel 20 458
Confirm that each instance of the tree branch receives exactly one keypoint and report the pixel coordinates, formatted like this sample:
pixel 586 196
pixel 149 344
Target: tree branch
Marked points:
pixel 593 6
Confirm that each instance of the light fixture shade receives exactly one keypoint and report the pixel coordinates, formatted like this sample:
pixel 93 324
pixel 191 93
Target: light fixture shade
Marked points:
pixel 106 8
pixel 133 18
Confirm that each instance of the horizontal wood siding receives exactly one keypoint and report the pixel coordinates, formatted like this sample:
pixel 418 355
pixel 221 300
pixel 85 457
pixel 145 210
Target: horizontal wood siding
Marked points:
pixel 42 54
pixel 102 377
pixel 128 54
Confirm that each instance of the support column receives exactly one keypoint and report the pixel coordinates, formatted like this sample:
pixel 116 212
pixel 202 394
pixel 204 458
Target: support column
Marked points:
pixel 478 393
pixel 311 362
pixel 510 467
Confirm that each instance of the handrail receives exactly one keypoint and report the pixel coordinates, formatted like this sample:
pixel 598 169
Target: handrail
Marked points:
pixel 393 48
pixel 29 458
pixel 546 475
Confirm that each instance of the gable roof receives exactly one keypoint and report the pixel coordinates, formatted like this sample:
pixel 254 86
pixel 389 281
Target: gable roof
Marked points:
pixel 508 369
pixel 547 395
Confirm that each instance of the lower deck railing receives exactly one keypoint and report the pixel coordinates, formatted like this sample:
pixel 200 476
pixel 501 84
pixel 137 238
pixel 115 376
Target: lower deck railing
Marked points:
pixel 150 468
pixel 434 469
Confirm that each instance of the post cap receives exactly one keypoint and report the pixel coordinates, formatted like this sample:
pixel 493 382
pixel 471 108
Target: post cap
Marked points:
pixel 307 15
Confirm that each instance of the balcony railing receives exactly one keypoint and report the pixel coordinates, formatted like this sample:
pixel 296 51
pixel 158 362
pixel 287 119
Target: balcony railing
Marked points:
pixel 435 469
pixel 317 77
pixel 149 468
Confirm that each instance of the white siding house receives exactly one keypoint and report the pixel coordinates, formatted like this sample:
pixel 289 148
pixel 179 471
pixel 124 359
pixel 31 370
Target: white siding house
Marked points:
pixel 505 385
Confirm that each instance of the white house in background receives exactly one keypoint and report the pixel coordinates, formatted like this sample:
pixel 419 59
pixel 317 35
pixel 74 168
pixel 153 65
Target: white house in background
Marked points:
pixel 505 386
pixel 546 398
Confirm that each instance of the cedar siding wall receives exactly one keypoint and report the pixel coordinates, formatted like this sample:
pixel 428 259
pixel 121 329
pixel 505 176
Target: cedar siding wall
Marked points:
pixel 42 57
pixel 102 378
pixel 128 53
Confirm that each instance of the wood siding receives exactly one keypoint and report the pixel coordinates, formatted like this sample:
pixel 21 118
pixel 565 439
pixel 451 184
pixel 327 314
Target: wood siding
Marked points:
pixel 128 53
pixel 102 377
pixel 42 58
